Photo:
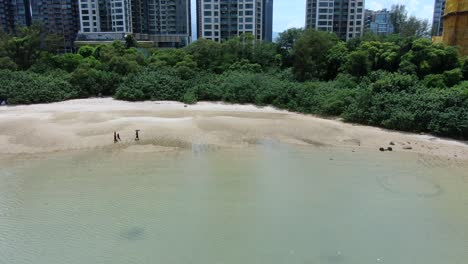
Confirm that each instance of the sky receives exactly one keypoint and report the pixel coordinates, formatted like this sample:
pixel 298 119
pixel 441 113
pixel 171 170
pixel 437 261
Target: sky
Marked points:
pixel 291 13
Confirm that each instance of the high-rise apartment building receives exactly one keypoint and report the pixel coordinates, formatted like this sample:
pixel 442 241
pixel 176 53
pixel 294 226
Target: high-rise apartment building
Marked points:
pixel 340 18
pixel 56 16
pixel 105 16
pixel 165 23
pixel 222 19
pixel 379 22
pixel 437 23
pixel 268 20
pixel 14 13
pixel 369 17
pixel 59 17
pixel 6 19
pixel 344 17
pixel 355 19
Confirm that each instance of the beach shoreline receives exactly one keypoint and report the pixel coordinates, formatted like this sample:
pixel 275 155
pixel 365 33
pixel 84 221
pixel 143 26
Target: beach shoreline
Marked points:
pixel 165 126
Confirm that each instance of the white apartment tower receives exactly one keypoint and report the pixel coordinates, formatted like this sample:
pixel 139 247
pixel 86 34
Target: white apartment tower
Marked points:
pixel 105 16
pixel 121 15
pixel 89 16
pixel 164 23
pixel 343 17
pixel 356 13
pixel 222 19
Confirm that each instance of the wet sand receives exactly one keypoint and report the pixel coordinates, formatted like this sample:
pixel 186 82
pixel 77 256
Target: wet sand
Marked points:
pixel 166 126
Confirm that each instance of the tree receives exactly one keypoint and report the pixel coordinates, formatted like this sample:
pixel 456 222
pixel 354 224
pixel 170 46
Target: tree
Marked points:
pixel 382 55
pixel 335 59
pixel 105 53
pixel 86 51
pixel 51 42
pixel 68 62
pixel 398 16
pixel 7 63
pixel 186 68
pixel 88 81
pixel 167 57
pixel 24 87
pixel 238 48
pixel 465 68
pixel 130 41
pixel 164 84
pixel 123 65
pixel 245 65
pixel 415 27
pixel 285 44
pixel 288 38
pixel 25 48
pixel 206 53
pixel 358 63
pixel 408 26
pixel 264 54
pixel 426 58
pixel 310 52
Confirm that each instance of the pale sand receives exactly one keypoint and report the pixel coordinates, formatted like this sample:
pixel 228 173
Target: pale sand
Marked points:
pixel 166 126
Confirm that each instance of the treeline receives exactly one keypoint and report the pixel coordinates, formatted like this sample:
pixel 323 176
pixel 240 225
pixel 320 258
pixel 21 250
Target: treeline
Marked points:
pixel 395 82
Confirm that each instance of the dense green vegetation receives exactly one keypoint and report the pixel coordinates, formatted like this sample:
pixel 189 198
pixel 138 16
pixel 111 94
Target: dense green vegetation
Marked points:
pixel 395 82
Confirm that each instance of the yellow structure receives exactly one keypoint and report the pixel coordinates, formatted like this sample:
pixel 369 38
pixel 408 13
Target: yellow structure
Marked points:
pixel 456 24
pixel 437 39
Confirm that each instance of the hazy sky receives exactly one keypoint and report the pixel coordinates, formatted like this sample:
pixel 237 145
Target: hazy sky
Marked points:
pixel 291 13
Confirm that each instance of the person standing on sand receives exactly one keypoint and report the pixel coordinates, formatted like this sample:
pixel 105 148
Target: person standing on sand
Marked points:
pixel 115 137
pixel 118 137
pixel 136 135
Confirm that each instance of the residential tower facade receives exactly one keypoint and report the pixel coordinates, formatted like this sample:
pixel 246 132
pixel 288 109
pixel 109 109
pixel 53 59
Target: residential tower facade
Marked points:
pixel 105 16
pixel 437 19
pixel 220 20
pixel 343 17
pixel 165 23
pixel 267 20
pixel 14 13
pixel 58 17
pixel 379 22
pixel 162 21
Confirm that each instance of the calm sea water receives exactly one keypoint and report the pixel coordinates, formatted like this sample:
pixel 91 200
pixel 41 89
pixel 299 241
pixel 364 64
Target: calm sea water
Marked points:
pixel 270 203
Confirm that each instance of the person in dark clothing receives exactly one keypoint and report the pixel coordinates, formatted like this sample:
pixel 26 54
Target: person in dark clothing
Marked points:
pixel 118 136
pixel 115 137
pixel 136 135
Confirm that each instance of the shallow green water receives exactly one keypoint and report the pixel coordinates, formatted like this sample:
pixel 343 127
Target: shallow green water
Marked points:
pixel 270 203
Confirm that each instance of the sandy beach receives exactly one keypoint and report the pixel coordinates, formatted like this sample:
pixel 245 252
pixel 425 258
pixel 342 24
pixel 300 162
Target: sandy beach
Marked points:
pixel 166 126
pixel 219 183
